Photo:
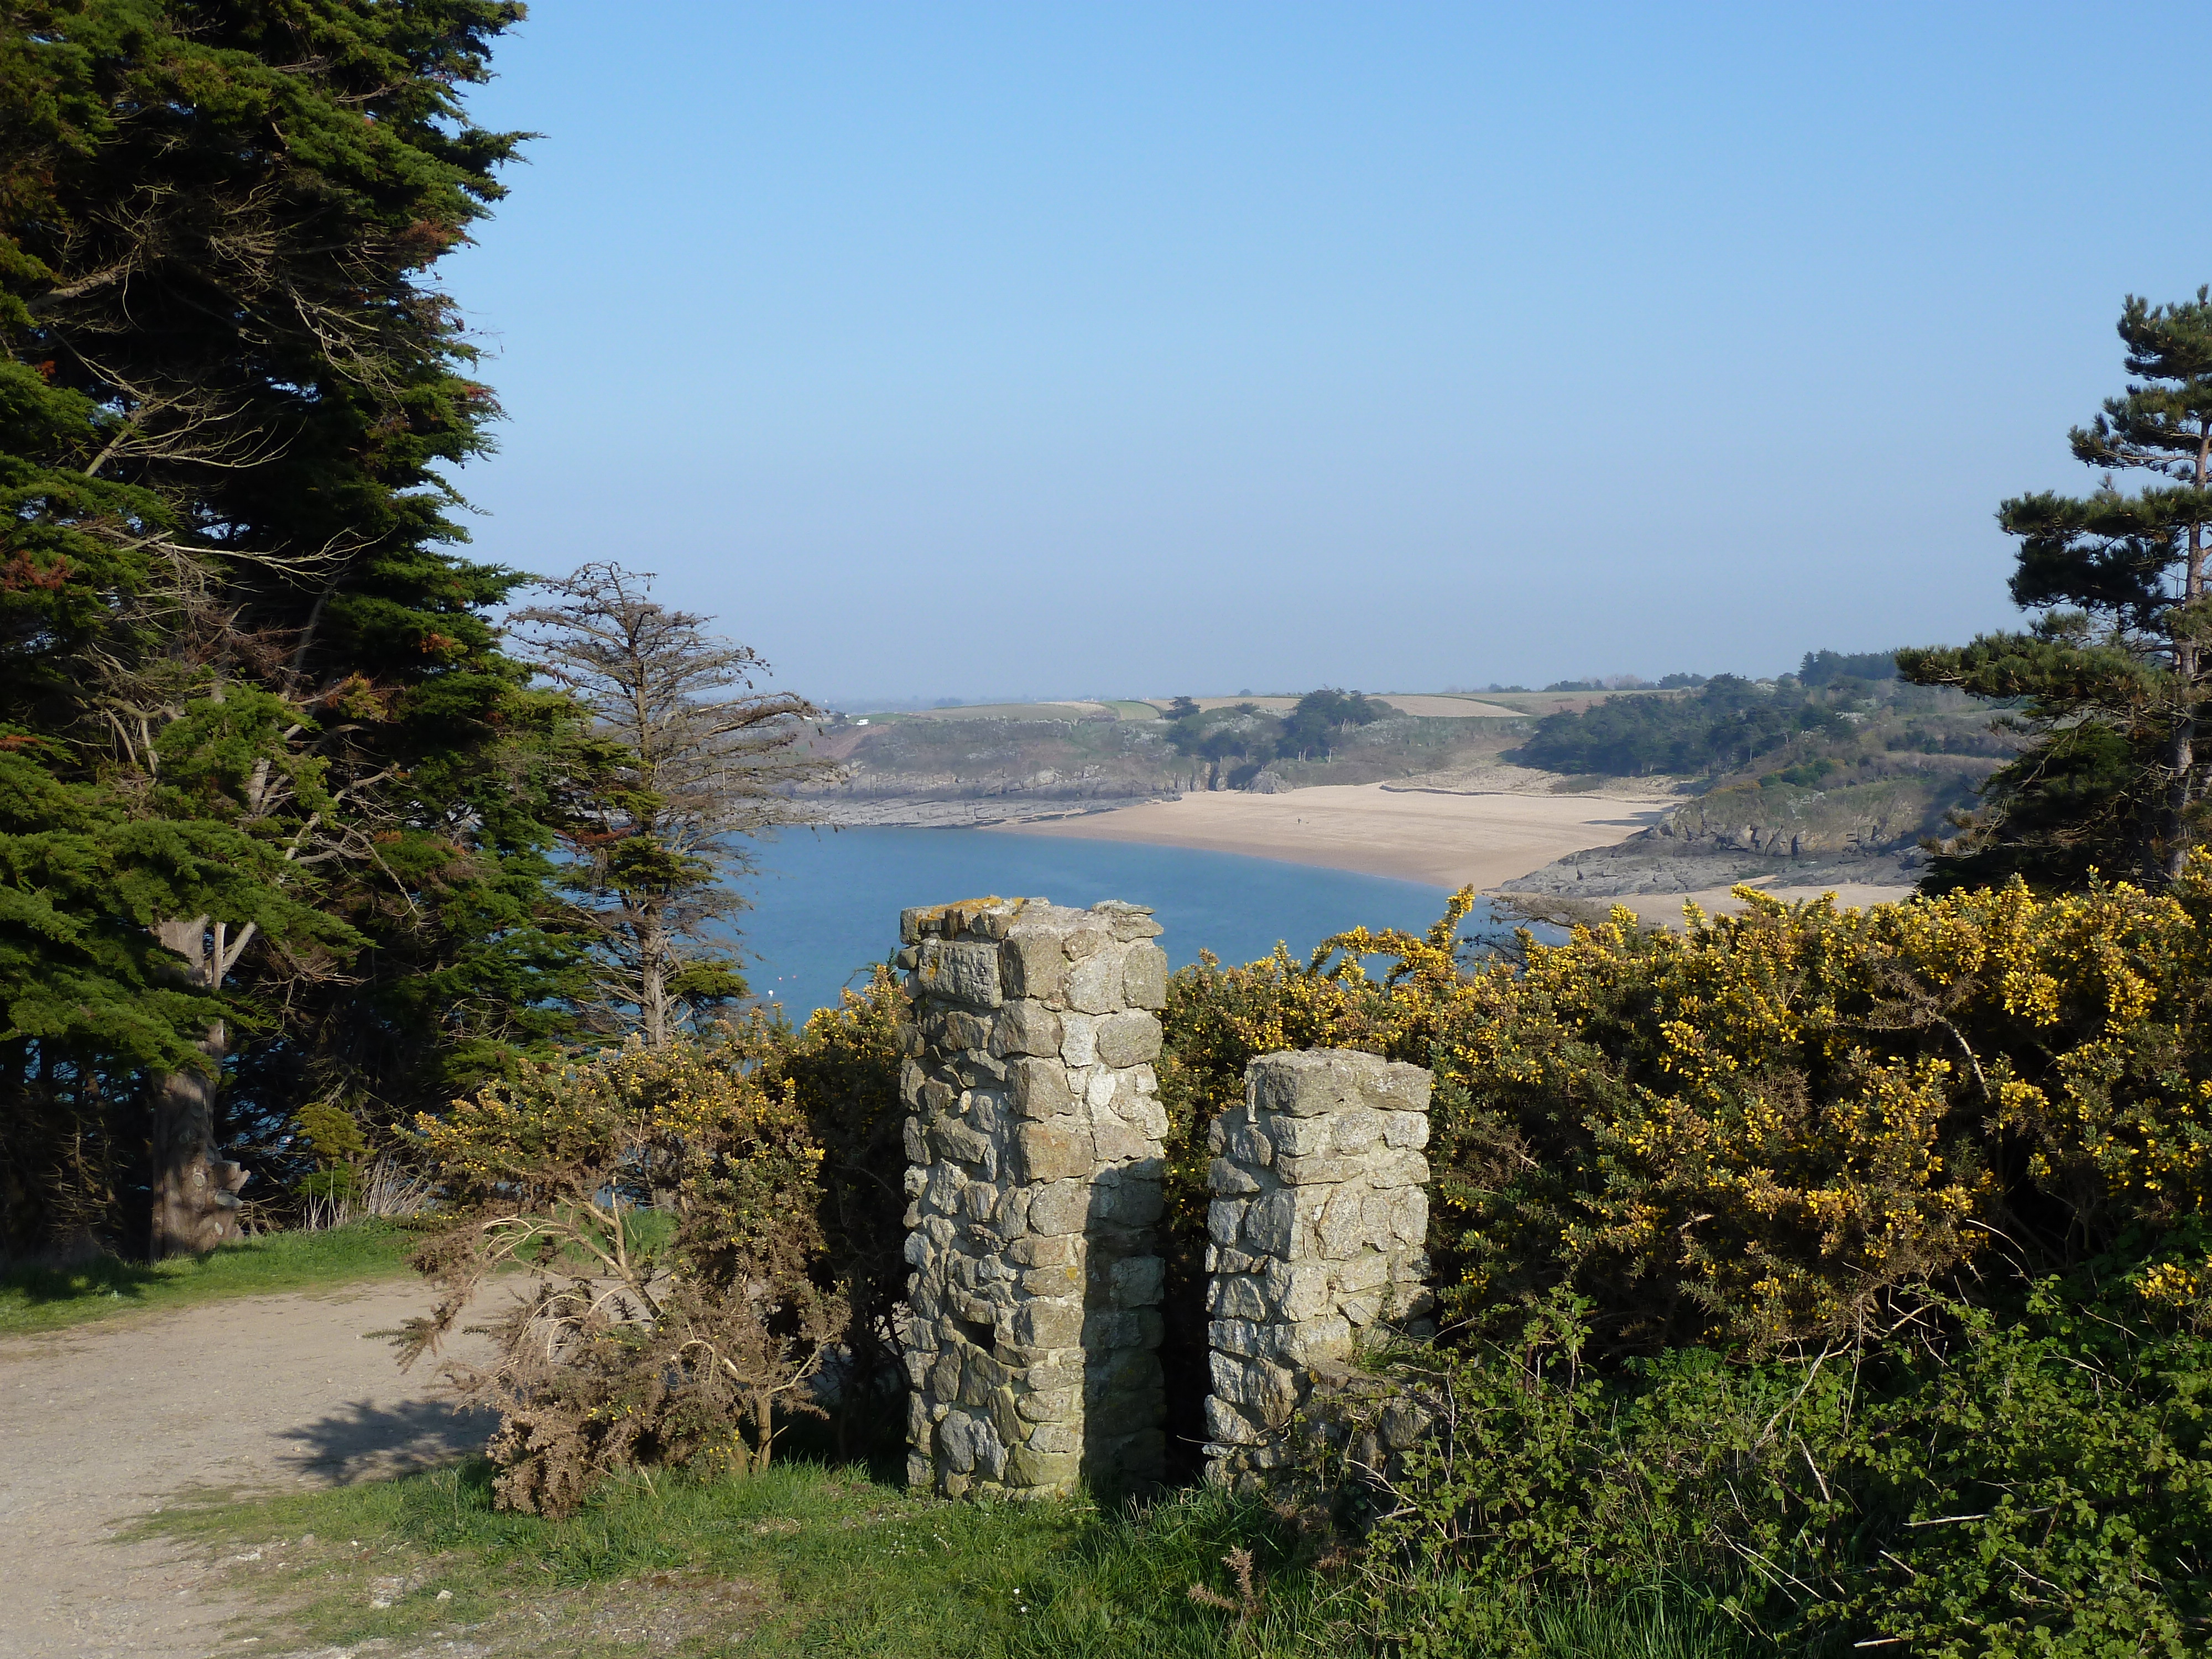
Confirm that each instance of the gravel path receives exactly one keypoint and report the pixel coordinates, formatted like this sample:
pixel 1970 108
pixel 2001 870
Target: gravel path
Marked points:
pixel 105 1423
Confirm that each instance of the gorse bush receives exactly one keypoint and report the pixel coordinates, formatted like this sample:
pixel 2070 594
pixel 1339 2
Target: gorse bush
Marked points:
pixel 670 1207
pixel 1758 1132
pixel 664 1203
pixel 1846 1271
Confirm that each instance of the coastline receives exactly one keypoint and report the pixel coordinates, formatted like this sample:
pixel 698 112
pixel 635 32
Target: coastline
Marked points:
pixel 1665 909
pixel 1444 838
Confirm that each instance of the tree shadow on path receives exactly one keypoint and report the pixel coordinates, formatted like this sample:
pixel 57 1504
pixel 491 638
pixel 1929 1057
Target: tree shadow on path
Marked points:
pixel 366 1441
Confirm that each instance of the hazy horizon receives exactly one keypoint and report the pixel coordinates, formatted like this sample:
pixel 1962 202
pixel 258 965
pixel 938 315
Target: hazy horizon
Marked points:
pixel 904 703
pixel 937 352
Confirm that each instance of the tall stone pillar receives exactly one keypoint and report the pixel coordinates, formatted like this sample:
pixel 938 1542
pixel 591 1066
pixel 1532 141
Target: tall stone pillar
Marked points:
pixel 1317 1229
pixel 1034 1144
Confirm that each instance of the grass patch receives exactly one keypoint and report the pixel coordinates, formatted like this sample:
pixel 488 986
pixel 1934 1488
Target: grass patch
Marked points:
pixel 34 1299
pixel 1641 1625
pixel 804 1560
pixel 809 1559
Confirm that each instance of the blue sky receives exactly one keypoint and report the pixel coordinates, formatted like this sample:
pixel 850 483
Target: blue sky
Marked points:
pixel 1036 349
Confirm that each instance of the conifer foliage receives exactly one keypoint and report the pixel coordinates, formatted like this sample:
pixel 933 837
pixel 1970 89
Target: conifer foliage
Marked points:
pixel 692 758
pixel 277 810
pixel 2111 675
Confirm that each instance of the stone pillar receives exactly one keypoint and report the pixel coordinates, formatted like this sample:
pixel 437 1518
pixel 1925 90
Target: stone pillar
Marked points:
pixel 1318 1227
pixel 1035 1157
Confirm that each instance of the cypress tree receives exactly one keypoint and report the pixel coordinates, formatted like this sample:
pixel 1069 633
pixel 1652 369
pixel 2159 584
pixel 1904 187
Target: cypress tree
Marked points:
pixel 231 598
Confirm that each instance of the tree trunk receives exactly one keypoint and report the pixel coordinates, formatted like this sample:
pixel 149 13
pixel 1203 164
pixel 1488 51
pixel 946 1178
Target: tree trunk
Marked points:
pixel 655 1016
pixel 195 1192
pixel 2181 762
pixel 2181 757
pixel 763 1429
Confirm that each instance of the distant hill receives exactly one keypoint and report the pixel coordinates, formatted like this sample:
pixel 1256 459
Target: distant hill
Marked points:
pixel 1000 763
pixel 1839 766
pixel 1835 775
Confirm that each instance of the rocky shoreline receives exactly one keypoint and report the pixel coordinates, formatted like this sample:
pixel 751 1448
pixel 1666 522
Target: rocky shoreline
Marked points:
pixel 956 812
pixel 1648 864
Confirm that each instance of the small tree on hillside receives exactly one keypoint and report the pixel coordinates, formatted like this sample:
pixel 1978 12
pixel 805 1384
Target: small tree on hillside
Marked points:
pixel 696 760
pixel 1313 725
pixel 2113 672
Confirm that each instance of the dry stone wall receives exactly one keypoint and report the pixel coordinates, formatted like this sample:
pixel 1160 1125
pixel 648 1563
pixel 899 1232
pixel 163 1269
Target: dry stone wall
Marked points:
pixel 1318 1227
pixel 1035 1160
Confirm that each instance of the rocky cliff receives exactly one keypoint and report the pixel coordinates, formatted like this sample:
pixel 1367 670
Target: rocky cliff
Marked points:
pixel 1860 824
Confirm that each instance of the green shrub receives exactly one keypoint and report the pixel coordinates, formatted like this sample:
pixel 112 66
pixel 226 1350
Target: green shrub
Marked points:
pixel 1769 1128
pixel 2041 1485
pixel 839 1072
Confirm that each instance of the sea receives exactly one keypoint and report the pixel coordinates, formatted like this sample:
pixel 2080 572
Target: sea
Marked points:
pixel 826 902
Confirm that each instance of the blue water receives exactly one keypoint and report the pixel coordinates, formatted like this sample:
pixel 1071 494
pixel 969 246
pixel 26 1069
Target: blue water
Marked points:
pixel 826 903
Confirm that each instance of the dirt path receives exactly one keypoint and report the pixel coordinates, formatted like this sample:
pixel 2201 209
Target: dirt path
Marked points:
pixel 103 1424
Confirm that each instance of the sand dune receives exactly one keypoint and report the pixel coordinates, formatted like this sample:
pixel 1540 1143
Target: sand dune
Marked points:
pixel 1448 838
pixel 1445 839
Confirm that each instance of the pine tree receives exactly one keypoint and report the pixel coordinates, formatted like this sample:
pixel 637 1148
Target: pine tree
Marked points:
pixel 696 761
pixel 2111 677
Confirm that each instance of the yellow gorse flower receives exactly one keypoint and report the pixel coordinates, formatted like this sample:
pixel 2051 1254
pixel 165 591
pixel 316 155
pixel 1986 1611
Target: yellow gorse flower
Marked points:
pixel 1750 1129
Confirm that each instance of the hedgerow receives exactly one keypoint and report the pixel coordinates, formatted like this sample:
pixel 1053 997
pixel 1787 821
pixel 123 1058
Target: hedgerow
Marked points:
pixel 1760 1131
pixel 1847 1267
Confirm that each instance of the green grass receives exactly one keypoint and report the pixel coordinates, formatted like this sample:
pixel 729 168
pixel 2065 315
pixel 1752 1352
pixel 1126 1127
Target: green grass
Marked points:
pixel 804 1559
pixel 47 1298
pixel 1641 1627
pixel 819 1561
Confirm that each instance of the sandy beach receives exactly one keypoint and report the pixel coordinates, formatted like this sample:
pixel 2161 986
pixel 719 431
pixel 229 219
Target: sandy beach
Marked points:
pixel 1665 909
pixel 1446 839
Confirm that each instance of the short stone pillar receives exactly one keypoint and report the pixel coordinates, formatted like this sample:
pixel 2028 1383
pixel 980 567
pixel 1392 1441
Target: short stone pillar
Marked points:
pixel 1318 1225
pixel 1034 1157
